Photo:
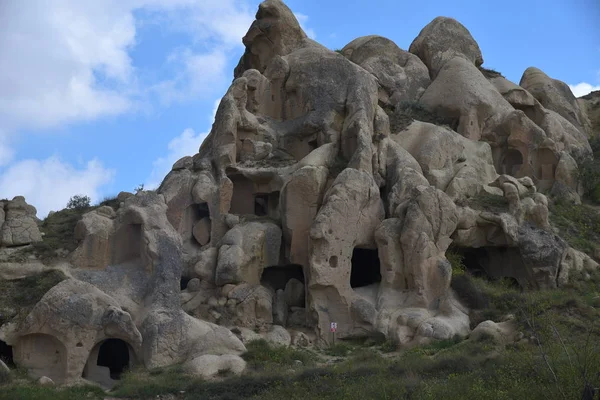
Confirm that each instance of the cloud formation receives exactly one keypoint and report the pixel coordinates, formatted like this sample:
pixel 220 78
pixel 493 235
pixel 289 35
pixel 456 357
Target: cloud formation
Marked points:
pixel 583 88
pixel 71 61
pixel 49 184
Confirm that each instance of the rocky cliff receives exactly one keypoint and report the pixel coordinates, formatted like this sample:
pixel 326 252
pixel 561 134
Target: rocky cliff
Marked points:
pixel 330 189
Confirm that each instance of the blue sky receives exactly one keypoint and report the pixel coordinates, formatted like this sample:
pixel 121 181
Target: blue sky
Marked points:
pixel 99 96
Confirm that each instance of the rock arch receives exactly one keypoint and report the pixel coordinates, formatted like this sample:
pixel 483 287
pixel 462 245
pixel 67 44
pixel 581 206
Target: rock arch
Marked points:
pixel 42 355
pixel 107 361
pixel 512 161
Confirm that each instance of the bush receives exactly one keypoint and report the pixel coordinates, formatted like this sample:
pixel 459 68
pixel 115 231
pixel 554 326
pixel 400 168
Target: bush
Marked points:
pixel 79 202
pixel 457 262
pixel 110 201
pixel 340 349
pixel 490 73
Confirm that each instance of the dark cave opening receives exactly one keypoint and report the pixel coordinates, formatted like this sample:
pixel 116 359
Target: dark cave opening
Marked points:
pixel 277 277
pixel 494 264
pixel 184 282
pixel 512 162
pixel 114 354
pixel 261 204
pixel 366 268
pixel 6 354
pixel 202 211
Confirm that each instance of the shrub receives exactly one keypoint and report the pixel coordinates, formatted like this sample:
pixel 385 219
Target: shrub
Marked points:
pixel 110 201
pixel 457 262
pixel 490 73
pixel 79 202
pixel 340 349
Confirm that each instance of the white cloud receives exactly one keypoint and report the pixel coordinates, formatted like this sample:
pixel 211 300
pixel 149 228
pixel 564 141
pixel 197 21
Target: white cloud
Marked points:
pixel 583 88
pixel 303 20
pixel 58 50
pixel 49 184
pixel 70 59
pixel 186 144
pixel 197 74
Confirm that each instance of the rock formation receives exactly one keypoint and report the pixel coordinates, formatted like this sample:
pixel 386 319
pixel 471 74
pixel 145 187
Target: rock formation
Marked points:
pixel 304 207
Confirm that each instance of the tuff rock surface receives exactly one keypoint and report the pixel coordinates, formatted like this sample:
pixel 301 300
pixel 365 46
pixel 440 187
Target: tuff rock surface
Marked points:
pixel 304 207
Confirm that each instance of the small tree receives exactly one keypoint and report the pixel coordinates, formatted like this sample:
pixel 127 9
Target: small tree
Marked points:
pixel 79 202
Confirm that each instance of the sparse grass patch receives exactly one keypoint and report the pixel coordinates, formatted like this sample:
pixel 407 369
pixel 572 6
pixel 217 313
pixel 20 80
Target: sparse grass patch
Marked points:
pixel 22 294
pixel 32 391
pixel 263 356
pixel 490 73
pixel 408 111
pixel 59 233
pixel 340 349
pixel 489 202
pixel 579 225
pixel 110 201
pixel 159 381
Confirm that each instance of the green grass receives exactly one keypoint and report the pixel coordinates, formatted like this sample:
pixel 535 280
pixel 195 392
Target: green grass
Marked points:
pixel 110 201
pixel 579 225
pixel 31 391
pixel 489 202
pixel 262 356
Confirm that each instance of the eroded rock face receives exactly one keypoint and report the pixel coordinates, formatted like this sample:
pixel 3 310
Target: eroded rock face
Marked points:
pixel 554 95
pixel 302 208
pixel 18 223
pixel 401 75
pixel 443 39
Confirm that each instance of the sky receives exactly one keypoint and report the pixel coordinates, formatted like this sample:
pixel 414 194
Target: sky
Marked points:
pixel 100 96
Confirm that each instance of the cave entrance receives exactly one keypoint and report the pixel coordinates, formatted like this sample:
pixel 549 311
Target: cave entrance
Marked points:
pixel 108 360
pixel 512 162
pixel 277 277
pixel 6 354
pixel 183 282
pixel 261 204
pixel 495 264
pixel 366 268
pixel 114 354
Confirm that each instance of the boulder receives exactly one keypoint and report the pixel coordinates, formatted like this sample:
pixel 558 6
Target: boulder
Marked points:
pixel 502 333
pixel 278 336
pixel 554 95
pixel 19 225
pixel 402 75
pixel 210 366
pixel 245 251
pixel 443 39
